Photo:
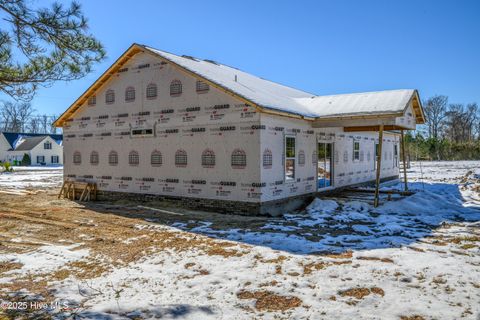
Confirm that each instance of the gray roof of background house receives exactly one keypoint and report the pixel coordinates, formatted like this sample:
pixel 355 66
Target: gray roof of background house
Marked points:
pixel 30 143
pixel 13 137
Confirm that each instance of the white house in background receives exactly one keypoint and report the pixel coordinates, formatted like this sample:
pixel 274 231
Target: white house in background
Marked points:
pixel 43 149
pixel 158 125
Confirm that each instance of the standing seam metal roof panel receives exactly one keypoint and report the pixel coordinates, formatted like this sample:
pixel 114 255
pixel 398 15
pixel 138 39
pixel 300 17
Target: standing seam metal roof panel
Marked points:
pixel 275 96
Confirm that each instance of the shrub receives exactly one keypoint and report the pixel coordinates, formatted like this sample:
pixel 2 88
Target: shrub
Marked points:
pixel 7 167
pixel 26 161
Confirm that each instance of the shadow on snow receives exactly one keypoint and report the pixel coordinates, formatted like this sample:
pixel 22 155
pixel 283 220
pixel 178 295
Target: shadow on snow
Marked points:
pixel 352 225
pixel 177 311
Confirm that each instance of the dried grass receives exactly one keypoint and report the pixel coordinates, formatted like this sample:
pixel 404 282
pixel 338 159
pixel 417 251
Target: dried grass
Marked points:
pixel 200 272
pixel 272 283
pixel 278 269
pixel 386 260
pixel 278 259
pixel 414 317
pixel 269 301
pixel 461 253
pixel 114 235
pixel 309 268
pixel 439 280
pixel 377 290
pixel 8 266
pixel 361 293
pixel 219 251
pixel 82 269
pixel 468 246
pixel 416 249
pixel 108 232
pixel 358 293
pixel 343 255
pixel 439 243
pixel 244 294
pixel 203 272
pixel 458 240
pixel 274 302
pixel 32 283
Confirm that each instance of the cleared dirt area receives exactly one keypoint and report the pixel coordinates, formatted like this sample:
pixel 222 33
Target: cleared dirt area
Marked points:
pixel 124 260
pixel 115 231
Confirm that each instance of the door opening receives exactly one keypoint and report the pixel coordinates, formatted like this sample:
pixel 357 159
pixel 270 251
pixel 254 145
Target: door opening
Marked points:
pixel 325 165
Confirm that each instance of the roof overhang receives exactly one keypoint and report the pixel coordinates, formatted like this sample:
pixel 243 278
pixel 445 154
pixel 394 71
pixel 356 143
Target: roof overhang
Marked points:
pixel 70 112
pixel 414 101
pixel 418 108
pixel 372 121
pixel 374 128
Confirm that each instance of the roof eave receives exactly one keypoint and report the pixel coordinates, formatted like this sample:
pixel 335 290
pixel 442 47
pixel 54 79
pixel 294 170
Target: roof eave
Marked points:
pixel 420 118
pixel 97 84
pixel 363 116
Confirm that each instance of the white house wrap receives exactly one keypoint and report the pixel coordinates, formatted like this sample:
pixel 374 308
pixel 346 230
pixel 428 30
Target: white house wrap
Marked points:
pixel 214 137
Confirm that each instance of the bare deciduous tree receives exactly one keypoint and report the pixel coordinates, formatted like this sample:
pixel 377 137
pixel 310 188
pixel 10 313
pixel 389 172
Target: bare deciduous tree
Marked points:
pixel 34 125
pixel 461 122
pixel 14 116
pixel 20 117
pixel 25 111
pixel 53 129
pixel 44 125
pixel 435 112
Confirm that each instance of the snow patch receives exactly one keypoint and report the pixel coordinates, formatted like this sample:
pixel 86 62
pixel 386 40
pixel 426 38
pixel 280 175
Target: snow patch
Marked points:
pixel 323 206
pixel 45 258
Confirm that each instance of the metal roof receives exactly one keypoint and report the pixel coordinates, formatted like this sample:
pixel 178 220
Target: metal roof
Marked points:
pixel 266 95
pixel 359 104
pixel 276 96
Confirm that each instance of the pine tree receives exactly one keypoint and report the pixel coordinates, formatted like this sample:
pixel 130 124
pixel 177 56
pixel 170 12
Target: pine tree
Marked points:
pixel 39 46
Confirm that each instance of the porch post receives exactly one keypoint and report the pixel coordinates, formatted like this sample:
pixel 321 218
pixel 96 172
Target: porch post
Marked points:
pixel 379 164
pixel 404 163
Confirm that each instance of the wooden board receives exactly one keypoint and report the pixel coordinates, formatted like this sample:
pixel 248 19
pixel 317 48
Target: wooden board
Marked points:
pixel 84 191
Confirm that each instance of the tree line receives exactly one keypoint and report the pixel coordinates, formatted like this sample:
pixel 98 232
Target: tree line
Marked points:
pixel 451 132
pixel 21 117
pixel 42 45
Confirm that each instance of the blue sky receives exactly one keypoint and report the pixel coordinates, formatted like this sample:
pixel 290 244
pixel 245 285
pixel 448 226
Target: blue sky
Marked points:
pixel 323 47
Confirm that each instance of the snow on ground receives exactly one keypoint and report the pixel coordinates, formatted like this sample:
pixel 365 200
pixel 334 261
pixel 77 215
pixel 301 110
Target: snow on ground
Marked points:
pixel 394 223
pixel 416 257
pixel 447 171
pixel 46 258
pixel 37 177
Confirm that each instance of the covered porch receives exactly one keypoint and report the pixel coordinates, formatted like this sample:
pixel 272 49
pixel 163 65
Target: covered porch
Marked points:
pixel 376 120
